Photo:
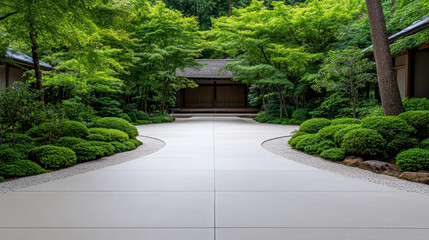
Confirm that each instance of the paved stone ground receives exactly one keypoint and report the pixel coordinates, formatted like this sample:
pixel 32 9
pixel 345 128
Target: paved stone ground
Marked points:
pixel 213 180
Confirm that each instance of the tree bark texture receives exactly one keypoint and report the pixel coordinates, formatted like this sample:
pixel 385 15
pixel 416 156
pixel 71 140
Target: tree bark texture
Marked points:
pixel 389 90
pixel 36 61
pixel 230 8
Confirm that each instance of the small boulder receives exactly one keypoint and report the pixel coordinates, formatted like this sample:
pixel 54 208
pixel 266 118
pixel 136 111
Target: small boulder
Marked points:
pixel 379 167
pixel 420 177
pixel 353 161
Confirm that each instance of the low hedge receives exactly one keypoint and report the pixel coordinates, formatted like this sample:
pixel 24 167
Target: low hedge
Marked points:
pixel 414 159
pixel 73 129
pixel 311 139
pixel 161 118
pixel 338 121
pixel 108 149
pixel 363 142
pixel 69 141
pixel 424 144
pixel 419 120
pixel 119 147
pixel 117 123
pixel 339 136
pixel 294 141
pixel 130 145
pixel 325 145
pixel 97 137
pixel 52 157
pixel 110 135
pixel 9 154
pixel 314 125
pixel 334 154
pixel 136 142
pixel 87 152
pixel 140 115
pixel 20 168
pixel 329 131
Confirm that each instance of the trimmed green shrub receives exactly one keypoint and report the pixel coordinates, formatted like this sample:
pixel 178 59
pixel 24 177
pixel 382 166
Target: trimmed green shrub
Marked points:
pixel 23 143
pixel 97 137
pixel 329 131
pixel 87 152
pixel 52 157
pixel 310 139
pixel 345 121
pixel 424 144
pixel 294 141
pixel 125 117
pixel 300 114
pixel 142 122
pixel 299 133
pixel 20 168
pixel 413 159
pixel 108 149
pixel 314 125
pixel 394 130
pixel 142 115
pixel 132 116
pixel 1 179
pixel 159 118
pixel 69 141
pixel 136 142
pixel 276 121
pixel 119 147
pixel 363 142
pixel 19 139
pixel 325 145
pixel 334 154
pixel 130 145
pixel 419 120
pixel 119 124
pixel 339 136
pixel 9 154
pixel 110 135
pixel 415 104
pixel 73 129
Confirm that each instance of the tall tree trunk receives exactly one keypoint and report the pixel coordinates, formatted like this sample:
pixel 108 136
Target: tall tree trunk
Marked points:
pixel 230 8
pixel 164 94
pixel 393 2
pixel 36 61
pixel 389 90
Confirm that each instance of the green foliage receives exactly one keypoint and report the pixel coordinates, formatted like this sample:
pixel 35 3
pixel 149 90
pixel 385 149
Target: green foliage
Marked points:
pixel 8 154
pixel 107 148
pixel 140 115
pixel 73 129
pixel 125 117
pixel 334 154
pixel 52 157
pixel 1 179
pixel 87 152
pixel 339 136
pixel 132 116
pixel 108 135
pixel 415 104
pixel 97 137
pixel 414 159
pixel 20 168
pixel 130 145
pixel 106 107
pixel 307 140
pixel 300 114
pixel 397 133
pixel 77 111
pixel 314 125
pixel 329 131
pixel 119 147
pixel 363 142
pixel 294 141
pixel 345 121
pixel 299 133
pixel 68 141
pixel 424 144
pixel 136 142
pixel 419 120
pixel 119 124
pixel 158 118
pixel 319 147
pixel 23 143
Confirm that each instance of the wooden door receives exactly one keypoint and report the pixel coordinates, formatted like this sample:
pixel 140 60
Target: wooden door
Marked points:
pixel 230 96
pixel 200 97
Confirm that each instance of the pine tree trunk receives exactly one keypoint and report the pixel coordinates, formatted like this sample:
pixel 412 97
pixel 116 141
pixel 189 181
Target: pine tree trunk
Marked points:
pixel 230 8
pixel 389 90
pixel 36 61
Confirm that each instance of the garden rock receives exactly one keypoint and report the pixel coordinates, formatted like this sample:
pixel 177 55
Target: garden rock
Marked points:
pixel 380 167
pixel 353 161
pixel 421 177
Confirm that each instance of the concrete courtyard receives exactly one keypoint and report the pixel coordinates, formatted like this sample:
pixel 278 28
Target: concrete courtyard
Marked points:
pixel 213 180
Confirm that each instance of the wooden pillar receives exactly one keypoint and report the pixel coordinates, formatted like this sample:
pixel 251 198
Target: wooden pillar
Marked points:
pixel 7 75
pixel 408 74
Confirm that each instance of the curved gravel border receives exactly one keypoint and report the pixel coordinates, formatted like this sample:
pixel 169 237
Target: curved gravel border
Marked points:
pixel 279 146
pixel 150 145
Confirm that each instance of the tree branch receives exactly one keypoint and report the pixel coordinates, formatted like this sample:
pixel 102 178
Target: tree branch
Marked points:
pixel 7 15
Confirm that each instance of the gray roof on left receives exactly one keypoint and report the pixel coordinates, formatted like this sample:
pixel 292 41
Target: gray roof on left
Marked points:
pixel 22 58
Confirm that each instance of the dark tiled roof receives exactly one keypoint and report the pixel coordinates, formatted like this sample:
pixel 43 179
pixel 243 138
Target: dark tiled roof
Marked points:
pixel 212 69
pixel 22 58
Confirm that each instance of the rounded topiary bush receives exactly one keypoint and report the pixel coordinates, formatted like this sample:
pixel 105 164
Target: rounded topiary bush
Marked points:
pixel 109 135
pixel 397 133
pixel 20 168
pixel 345 121
pixel 87 152
pixel 52 157
pixel 424 144
pixel 108 149
pixel 142 115
pixel 334 154
pixel 68 141
pixel 97 137
pixel 414 159
pixel 314 125
pixel 23 143
pixel 299 133
pixel 324 145
pixel 130 145
pixel 294 141
pixel 419 120
pixel 119 147
pixel 9 154
pixel 119 124
pixel 339 136
pixel 73 129
pixel 311 139
pixel 136 142
pixel 132 116
pixel 329 131
pixel 363 142
pixel 159 118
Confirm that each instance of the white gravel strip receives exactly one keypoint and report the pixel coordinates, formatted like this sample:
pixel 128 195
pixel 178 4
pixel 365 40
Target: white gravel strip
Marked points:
pixel 280 147
pixel 150 145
